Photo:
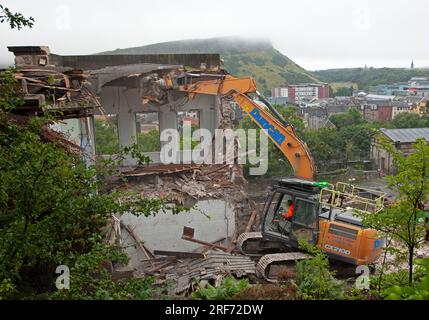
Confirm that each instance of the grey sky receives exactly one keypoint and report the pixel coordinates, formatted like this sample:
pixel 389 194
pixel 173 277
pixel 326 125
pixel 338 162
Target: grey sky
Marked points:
pixel 315 34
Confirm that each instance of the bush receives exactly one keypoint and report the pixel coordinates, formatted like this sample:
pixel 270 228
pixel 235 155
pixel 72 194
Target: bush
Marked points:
pixel 89 279
pixel 229 287
pixel 314 280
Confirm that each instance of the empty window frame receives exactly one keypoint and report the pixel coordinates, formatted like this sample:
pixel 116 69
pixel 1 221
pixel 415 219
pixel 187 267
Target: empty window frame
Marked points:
pixel 147 131
pixel 106 134
pixel 188 118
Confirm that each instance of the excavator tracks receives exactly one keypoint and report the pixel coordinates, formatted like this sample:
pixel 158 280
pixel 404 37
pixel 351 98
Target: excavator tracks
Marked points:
pixel 275 262
pixel 254 244
pixel 273 266
pixel 249 242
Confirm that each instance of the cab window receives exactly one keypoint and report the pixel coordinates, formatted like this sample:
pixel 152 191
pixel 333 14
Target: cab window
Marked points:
pixel 305 213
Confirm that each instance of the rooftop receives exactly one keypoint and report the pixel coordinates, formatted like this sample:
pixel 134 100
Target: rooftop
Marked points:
pixel 406 135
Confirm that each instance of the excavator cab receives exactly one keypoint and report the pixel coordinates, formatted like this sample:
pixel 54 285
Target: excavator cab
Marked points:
pixel 300 197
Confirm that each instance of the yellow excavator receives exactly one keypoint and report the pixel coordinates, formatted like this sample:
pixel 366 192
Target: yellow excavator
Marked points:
pixel 323 214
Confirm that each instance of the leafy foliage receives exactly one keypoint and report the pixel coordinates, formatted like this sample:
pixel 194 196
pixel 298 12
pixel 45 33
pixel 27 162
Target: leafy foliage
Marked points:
pixel 149 141
pixel 226 291
pixel 15 19
pixel 106 135
pixel 91 280
pixel 11 95
pixel 343 91
pixel 420 289
pixel 352 117
pixel 410 120
pixel 314 279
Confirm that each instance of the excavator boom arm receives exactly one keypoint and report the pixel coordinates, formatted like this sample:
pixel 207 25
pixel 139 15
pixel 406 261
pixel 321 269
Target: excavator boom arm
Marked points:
pixel 281 134
pixel 284 137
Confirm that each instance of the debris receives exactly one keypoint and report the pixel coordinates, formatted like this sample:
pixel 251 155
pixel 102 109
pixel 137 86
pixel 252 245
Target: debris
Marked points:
pixel 179 254
pixel 212 267
pixel 169 261
pixel 65 91
pixel 149 255
pixel 161 169
pixel 252 219
pixel 188 234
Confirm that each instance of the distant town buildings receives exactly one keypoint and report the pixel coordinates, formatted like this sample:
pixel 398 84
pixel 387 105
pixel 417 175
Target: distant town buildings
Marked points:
pixel 304 92
pixel 382 103
pixel 418 86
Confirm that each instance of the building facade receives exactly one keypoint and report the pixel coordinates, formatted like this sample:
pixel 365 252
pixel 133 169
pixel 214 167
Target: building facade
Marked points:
pixel 403 140
pixel 279 92
pixel 305 92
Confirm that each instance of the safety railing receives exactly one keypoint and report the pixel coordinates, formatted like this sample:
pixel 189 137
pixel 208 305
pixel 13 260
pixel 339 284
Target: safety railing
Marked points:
pixel 345 196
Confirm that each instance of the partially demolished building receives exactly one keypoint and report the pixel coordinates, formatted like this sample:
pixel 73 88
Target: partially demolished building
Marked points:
pixel 95 91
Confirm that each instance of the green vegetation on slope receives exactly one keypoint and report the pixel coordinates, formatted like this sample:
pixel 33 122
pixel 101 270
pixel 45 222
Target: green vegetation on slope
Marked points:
pixel 241 57
pixel 366 77
pixel 269 67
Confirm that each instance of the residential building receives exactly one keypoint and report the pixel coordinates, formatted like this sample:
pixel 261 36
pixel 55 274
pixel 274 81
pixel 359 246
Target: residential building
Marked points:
pixel 400 107
pixel 369 112
pixel 306 91
pixel 279 92
pixel 403 140
pixel 384 112
pixel 421 108
pixel 314 117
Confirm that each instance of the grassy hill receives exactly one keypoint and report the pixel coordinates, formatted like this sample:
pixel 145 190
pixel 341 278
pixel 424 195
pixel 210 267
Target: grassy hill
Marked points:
pixel 257 58
pixel 365 77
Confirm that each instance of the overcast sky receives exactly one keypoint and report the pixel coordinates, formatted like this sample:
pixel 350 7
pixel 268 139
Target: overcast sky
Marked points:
pixel 315 34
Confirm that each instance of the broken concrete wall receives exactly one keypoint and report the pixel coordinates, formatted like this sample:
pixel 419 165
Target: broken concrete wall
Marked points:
pixel 212 219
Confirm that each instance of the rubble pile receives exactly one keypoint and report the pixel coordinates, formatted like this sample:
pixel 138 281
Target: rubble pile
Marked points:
pixel 213 266
pixel 65 90
pixel 188 183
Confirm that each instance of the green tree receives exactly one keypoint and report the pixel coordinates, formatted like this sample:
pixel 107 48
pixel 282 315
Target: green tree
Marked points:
pixel 149 141
pixel 356 139
pixel 15 19
pixel 408 120
pixel 325 145
pixel 404 220
pixel 343 91
pixel 352 117
pixel 106 136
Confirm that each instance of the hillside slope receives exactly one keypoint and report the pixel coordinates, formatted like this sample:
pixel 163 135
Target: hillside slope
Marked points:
pixel 365 77
pixel 257 58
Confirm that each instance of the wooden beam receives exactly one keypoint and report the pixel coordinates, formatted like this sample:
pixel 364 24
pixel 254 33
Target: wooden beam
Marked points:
pixel 180 254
